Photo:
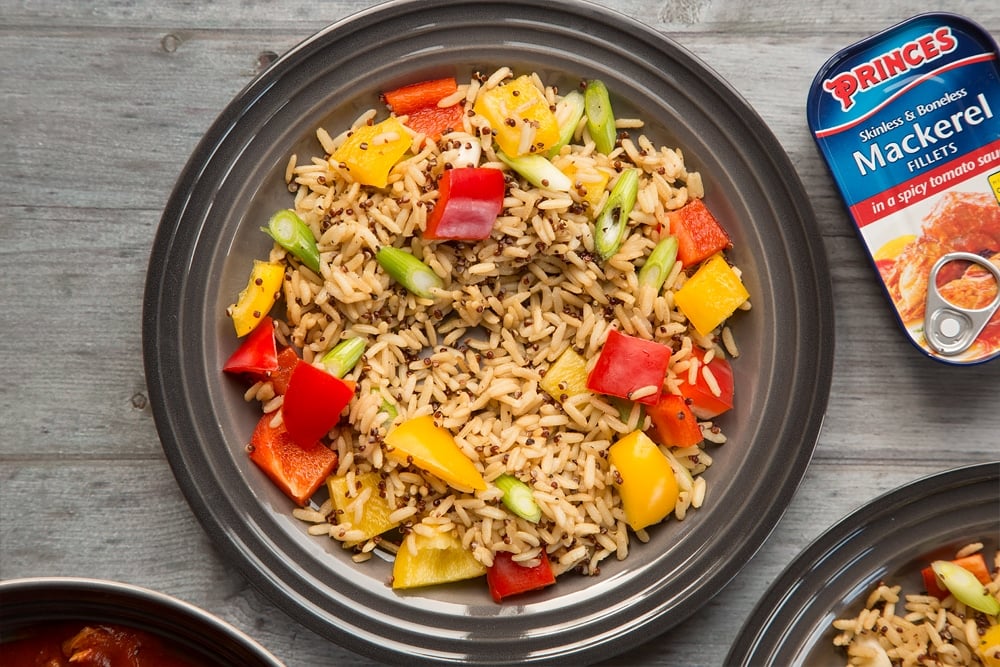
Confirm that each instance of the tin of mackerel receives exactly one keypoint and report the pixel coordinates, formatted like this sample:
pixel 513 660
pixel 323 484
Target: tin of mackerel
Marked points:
pixel 908 121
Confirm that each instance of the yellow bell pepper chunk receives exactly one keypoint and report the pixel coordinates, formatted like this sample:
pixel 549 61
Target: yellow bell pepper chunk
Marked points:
pixel 440 559
pixel 589 185
pixel 989 647
pixel 256 301
pixel 428 446
pixel 373 150
pixel 645 480
pixel 711 295
pixel 375 513
pixel 519 116
pixel 566 377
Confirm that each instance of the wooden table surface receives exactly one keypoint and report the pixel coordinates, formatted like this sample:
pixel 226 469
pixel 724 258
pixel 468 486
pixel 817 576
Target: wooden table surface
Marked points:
pixel 103 101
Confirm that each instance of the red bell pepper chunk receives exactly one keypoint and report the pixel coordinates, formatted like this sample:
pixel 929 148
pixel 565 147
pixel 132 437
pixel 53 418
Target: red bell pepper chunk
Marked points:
pixel 699 235
pixel 700 397
pixel 674 422
pixel 976 564
pixel 469 201
pixel 257 357
pixel 507 577
pixel 287 361
pixel 435 121
pixel 409 98
pixel 313 403
pixel 419 101
pixel 627 364
pixel 298 471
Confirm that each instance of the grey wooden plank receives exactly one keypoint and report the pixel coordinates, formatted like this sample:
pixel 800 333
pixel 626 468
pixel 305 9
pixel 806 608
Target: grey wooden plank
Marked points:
pixel 125 141
pixel 766 17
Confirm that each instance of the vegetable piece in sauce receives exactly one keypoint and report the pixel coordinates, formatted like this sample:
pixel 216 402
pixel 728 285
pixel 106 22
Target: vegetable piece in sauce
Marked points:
pixel 77 644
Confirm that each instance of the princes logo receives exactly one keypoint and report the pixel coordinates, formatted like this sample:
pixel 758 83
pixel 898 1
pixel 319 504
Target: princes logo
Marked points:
pixel 890 65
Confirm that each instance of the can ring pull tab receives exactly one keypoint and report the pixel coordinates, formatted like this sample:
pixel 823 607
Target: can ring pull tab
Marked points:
pixel 951 329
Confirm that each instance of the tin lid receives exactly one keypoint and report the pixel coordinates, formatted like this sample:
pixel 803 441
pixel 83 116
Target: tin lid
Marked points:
pixel 908 121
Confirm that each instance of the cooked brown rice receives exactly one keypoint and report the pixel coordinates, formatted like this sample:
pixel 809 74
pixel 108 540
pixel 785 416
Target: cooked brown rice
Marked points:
pixel 916 629
pixel 473 357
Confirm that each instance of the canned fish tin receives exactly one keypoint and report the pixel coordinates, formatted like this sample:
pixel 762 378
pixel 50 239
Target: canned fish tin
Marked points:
pixel 908 121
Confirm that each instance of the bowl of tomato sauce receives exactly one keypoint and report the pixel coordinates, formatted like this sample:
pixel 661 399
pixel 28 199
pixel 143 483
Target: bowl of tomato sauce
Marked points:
pixel 57 621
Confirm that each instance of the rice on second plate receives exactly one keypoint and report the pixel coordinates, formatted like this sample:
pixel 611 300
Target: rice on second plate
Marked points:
pixel 914 629
pixel 474 356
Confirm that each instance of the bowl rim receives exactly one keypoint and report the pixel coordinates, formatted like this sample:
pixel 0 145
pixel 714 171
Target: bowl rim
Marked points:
pixel 27 601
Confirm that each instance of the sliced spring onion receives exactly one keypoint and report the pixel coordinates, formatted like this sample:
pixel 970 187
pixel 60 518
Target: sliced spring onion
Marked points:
pixel 600 117
pixel 461 150
pixel 569 111
pixel 625 409
pixel 344 356
pixel 965 587
pixel 612 221
pixel 538 171
pixel 409 271
pixel 518 498
pixel 659 264
pixel 389 410
pixel 294 235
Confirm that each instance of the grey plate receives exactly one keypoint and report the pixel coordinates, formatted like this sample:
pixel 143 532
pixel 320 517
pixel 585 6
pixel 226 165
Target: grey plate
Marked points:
pixel 209 234
pixel 27 602
pixel 891 539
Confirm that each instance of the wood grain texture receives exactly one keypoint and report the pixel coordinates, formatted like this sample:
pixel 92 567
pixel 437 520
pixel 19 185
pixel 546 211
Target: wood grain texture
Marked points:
pixel 101 103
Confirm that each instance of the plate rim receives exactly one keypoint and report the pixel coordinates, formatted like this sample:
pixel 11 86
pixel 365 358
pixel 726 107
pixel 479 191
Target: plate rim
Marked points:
pixel 756 638
pixel 264 575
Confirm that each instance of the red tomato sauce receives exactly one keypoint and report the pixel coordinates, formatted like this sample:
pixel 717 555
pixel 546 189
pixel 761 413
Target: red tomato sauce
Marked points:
pixel 80 644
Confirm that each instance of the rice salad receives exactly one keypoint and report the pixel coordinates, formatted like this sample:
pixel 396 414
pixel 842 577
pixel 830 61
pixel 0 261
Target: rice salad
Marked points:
pixel 495 341
pixel 954 621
